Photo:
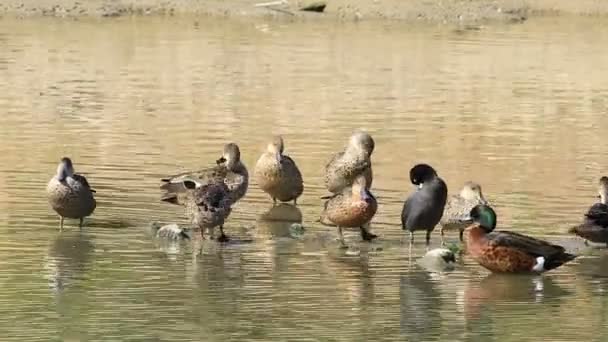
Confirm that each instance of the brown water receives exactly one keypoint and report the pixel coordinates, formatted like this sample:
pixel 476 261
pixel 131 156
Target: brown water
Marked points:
pixel 521 109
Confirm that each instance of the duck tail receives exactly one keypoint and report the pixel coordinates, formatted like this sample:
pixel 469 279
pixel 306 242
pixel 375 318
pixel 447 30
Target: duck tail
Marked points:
pixel 558 260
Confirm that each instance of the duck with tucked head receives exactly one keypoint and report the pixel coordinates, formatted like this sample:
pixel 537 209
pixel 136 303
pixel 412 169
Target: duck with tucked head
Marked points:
pixel 277 174
pixel 354 207
pixel 70 194
pixel 355 160
pixel 423 209
pixel 229 169
pixel 207 205
pixel 595 225
pixel 459 206
pixel 509 252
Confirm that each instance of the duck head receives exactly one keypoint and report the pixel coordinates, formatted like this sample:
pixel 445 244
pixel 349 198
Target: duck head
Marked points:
pixel 421 174
pixel 65 169
pixel 471 191
pixel 603 190
pixel 361 143
pixel 275 147
pixel 231 155
pixel 485 216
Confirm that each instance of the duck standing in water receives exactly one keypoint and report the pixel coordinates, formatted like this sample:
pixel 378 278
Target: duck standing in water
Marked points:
pixel 345 166
pixel 229 170
pixel 206 205
pixel 458 208
pixel 70 194
pixel 423 209
pixel 277 174
pixel 508 252
pixel 354 207
pixel 595 225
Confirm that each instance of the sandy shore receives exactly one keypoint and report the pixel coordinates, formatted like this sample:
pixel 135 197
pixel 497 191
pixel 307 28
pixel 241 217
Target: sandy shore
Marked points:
pixel 439 11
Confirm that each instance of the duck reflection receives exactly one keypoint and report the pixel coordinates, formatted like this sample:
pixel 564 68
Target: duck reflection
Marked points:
pixel 420 304
pixel 68 259
pixel 282 220
pixel 507 288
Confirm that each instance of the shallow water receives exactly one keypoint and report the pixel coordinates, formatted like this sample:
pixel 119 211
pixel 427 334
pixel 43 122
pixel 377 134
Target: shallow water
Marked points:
pixel 520 109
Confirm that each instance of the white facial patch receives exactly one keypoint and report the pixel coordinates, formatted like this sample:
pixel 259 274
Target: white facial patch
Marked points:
pixel 540 265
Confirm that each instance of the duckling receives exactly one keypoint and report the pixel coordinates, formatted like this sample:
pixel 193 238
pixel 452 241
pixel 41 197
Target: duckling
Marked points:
pixel 423 209
pixel 345 166
pixel 354 207
pixel 438 260
pixel 459 206
pixel 207 205
pixel 509 252
pixel 595 225
pixel 278 175
pixel 70 194
pixel 229 169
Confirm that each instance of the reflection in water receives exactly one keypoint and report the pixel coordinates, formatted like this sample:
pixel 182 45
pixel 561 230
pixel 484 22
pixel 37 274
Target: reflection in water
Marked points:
pixel 278 221
pixel 507 288
pixel 419 300
pixel 68 260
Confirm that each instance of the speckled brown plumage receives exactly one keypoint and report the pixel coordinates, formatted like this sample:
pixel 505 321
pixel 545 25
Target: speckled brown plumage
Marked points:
pixel 70 194
pixel 344 167
pixel 458 207
pixel 353 207
pixel 206 205
pixel 229 169
pixel 277 174
pixel 595 223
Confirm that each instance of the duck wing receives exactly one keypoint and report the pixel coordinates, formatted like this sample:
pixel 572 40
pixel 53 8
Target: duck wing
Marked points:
pixel 598 213
pixel 83 180
pixel 523 243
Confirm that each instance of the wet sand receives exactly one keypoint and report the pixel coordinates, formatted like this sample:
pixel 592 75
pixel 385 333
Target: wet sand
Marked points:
pixel 444 11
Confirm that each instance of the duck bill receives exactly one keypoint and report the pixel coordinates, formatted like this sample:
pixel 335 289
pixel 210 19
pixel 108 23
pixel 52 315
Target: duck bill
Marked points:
pixel 221 160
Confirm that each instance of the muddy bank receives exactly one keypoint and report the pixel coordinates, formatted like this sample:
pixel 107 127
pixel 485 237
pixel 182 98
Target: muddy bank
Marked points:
pixel 442 11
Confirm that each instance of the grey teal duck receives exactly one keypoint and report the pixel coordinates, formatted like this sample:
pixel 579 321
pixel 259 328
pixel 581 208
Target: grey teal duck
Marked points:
pixel 345 166
pixel 70 194
pixel 595 223
pixel 277 174
pixel 459 206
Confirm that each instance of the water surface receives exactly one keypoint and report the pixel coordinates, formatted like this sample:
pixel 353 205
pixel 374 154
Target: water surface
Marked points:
pixel 518 108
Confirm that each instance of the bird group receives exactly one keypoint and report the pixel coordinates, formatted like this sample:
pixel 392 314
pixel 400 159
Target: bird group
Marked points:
pixel 207 196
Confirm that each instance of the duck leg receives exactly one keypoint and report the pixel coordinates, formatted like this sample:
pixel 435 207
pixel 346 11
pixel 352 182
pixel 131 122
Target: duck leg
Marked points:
pixel 223 237
pixel 428 238
pixel 60 223
pixel 462 235
pixel 341 238
pixel 366 235
pixel 81 222
pixel 411 237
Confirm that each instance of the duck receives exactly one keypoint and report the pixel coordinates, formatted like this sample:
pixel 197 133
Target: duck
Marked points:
pixel 70 194
pixel 277 174
pixel 438 259
pixel 207 205
pixel 229 169
pixel 345 166
pixel 595 224
pixel 354 207
pixel 459 206
pixel 509 252
pixel 423 209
